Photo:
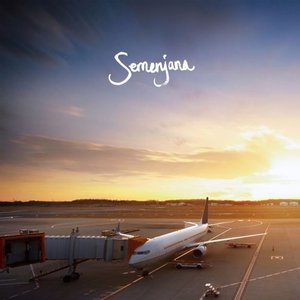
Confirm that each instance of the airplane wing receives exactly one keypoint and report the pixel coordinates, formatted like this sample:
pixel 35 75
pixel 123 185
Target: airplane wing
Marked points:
pixel 204 243
pixel 187 223
pixel 220 223
pixel 129 236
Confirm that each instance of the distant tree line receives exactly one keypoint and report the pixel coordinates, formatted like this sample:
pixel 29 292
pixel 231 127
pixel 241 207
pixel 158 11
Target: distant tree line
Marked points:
pixel 113 202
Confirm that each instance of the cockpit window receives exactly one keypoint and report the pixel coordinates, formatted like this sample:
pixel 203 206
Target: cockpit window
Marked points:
pixel 141 252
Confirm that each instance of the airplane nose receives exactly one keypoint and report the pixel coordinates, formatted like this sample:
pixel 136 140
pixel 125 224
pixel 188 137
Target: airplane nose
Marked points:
pixel 135 262
pixel 132 261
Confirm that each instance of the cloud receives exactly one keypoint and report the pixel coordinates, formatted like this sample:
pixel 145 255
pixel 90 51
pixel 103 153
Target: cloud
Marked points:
pixel 74 111
pixel 5 115
pixel 254 157
pixel 42 31
pixel 7 119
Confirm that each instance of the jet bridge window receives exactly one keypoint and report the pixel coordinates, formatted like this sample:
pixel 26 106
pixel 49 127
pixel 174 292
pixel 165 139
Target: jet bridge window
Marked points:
pixel 141 252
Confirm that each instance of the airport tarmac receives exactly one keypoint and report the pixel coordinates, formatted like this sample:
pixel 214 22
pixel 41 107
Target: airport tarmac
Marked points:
pixel 274 262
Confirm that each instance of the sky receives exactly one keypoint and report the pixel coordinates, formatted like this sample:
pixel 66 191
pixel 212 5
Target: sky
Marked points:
pixel 229 129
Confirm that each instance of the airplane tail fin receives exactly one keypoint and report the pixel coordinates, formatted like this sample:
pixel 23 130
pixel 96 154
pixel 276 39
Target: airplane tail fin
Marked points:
pixel 118 228
pixel 205 213
pixel 118 232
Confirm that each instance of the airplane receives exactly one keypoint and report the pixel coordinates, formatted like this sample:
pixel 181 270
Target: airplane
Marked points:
pixel 162 247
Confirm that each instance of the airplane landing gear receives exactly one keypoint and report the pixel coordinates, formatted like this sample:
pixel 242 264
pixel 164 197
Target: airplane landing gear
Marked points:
pixel 71 274
pixel 71 277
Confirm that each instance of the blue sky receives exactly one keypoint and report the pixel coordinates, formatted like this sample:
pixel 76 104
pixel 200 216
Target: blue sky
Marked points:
pixel 60 115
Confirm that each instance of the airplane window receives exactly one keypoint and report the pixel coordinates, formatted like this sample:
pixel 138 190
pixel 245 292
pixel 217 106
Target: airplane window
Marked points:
pixel 141 252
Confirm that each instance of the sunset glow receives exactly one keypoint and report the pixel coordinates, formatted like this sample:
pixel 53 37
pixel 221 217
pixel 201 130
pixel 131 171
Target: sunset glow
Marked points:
pixel 227 127
pixel 286 169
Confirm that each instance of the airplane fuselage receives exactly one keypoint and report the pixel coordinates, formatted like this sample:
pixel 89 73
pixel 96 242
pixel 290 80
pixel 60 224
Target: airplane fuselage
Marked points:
pixel 164 246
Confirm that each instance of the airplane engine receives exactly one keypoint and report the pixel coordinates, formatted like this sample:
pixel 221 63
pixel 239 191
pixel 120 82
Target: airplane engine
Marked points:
pixel 199 251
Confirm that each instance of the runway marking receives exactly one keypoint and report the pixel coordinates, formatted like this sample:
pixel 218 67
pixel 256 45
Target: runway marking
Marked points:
pixel 23 293
pixel 6 218
pixel 129 272
pixel 262 277
pixel 277 257
pixel 13 283
pixel 213 238
pixel 33 276
pixel 258 223
pixel 245 279
pixel 26 292
pixel 11 279
pixel 157 269
pixel 89 292
pixel 71 223
pixel 122 288
pixel 81 224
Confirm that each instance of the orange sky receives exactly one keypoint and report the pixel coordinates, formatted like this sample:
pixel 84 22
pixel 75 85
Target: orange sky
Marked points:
pixel 229 129
pixel 263 165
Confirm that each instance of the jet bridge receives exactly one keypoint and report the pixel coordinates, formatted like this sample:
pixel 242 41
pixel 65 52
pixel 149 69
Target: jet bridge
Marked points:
pixel 76 246
pixel 31 246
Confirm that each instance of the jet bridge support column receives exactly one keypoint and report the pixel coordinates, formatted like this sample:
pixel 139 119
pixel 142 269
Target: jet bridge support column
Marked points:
pixel 71 273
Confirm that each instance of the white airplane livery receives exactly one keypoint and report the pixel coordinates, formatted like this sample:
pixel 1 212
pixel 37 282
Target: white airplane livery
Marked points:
pixel 162 247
